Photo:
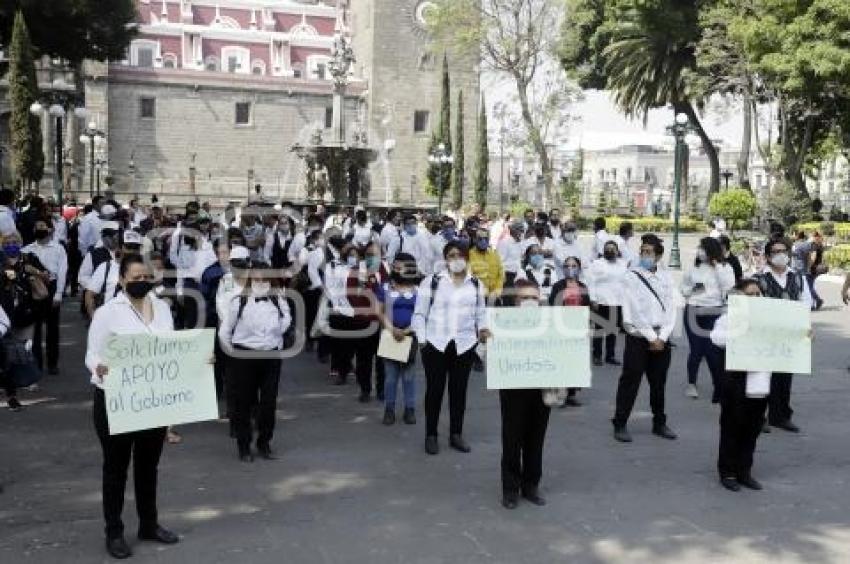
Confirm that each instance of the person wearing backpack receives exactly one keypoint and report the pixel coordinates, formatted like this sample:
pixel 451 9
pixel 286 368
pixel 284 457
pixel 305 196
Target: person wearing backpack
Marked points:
pixel 17 303
pixel 449 319
pixel 251 334
pixel 104 283
pixel 649 317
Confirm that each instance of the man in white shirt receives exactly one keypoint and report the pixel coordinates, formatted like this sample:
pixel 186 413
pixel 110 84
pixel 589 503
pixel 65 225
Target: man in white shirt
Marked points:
pixel 90 225
pixel 52 256
pixel 600 235
pixel 605 278
pixel 539 236
pixel 649 317
pixel 101 252
pixel 7 214
pixel 415 243
pixel 779 281
pixel 391 230
pixel 568 246
pixel 627 232
pixel 450 318
pixel 314 223
pixel 511 252
pixel 555 226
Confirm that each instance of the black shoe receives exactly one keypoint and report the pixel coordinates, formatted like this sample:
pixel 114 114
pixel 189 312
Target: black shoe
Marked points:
pixel 409 416
pixel 460 445
pixel 118 548
pixel 613 362
pixel 265 452
pixel 160 535
pixel 510 500
pixel 364 397
pixel 432 446
pixel 787 426
pixel 14 404
pixel 750 483
pixel 52 370
pixel 622 435
pixel 389 417
pixel 765 428
pixel 730 484
pixel 534 497
pixel 572 401
pixel 323 360
pixel 232 430
pixel 245 455
pixel 339 380
pixel 664 432
pixel 597 362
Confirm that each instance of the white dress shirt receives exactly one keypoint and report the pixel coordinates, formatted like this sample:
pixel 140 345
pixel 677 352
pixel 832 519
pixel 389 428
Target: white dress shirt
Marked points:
pixel 626 252
pixel 87 267
pixel 388 234
pixel 457 314
pixel 228 287
pixel 416 245
pixel 118 317
pixel 782 280
pixel 60 229
pixel 7 221
pixel 510 250
pixel 95 284
pixel 362 235
pixel 758 383
pixel 600 238
pixel 261 326
pixel 643 313
pixel 538 275
pixel 546 245
pixel 5 323
pixel 315 261
pixel 717 282
pixel 89 232
pixel 605 281
pixel 298 243
pixel 53 257
pixel 564 250
pixel 336 287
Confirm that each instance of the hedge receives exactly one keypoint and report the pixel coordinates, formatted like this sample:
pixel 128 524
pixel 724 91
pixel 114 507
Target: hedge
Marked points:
pixel 653 224
pixel 840 231
pixel 837 257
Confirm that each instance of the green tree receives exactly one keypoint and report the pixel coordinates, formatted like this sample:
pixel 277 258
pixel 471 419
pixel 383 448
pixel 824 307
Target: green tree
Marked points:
pixel 73 29
pixel 482 159
pixel 784 204
pixel 641 52
pixel 440 175
pixel 25 128
pixel 571 184
pixel 458 173
pixel 736 205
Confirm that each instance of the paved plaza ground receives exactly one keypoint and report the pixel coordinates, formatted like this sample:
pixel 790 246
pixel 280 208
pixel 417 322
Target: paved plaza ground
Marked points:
pixel 349 490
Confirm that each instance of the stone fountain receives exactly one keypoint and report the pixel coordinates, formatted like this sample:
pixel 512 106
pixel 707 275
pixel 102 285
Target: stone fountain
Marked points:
pixel 338 166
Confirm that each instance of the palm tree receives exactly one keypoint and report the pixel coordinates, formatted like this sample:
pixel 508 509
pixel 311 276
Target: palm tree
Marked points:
pixel 646 64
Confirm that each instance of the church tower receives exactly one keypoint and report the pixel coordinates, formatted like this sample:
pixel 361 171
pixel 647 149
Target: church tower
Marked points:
pixel 397 57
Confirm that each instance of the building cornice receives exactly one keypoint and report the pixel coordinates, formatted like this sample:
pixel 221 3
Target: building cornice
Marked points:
pixel 238 35
pixel 121 74
pixel 280 6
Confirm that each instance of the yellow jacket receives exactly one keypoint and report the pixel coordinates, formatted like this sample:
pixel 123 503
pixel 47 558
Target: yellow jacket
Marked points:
pixel 487 267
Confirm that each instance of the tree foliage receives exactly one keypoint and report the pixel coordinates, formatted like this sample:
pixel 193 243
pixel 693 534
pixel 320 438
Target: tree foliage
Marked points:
pixel 482 159
pixel 785 205
pixel 73 29
pixel 25 128
pixel 736 206
pixel 459 172
pixel 440 175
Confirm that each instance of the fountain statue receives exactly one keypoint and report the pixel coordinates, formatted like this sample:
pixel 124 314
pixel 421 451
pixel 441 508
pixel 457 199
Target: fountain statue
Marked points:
pixel 338 165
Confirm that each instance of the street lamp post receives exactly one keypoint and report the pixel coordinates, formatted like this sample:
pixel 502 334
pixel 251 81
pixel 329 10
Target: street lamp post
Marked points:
pixel 502 132
pixel 678 130
pixel 727 174
pixel 440 157
pixel 58 103
pixel 92 137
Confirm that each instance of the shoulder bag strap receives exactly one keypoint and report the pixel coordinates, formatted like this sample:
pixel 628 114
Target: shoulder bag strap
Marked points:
pixel 651 289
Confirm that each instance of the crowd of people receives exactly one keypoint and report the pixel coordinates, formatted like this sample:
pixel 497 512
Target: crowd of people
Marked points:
pixel 272 278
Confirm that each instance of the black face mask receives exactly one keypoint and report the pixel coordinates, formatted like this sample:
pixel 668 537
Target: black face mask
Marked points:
pixel 138 289
pixel 610 255
pixel 398 277
pixel 41 233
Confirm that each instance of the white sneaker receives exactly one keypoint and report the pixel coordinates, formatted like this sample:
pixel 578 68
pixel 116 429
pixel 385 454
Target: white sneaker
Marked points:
pixel 691 391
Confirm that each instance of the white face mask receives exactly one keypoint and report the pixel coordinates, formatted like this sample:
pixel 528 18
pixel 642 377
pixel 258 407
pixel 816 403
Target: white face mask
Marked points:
pixel 529 303
pixel 570 237
pixel 260 289
pixel 701 255
pixel 779 260
pixel 457 265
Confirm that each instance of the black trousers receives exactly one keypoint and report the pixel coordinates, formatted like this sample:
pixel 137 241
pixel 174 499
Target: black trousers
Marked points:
pixel 607 332
pixel 741 421
pixel 365 355
pixel 145 448
pixel 699 321
pixel 255 382
pixel 524 421
pixel 637 361
pixel 440 368
pixel 46 321
pixel 779 401
pixel 311 308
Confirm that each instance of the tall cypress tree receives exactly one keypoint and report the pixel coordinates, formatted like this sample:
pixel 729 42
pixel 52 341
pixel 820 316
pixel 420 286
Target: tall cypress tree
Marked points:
pixel 458 175
pixel 482 159
pixel 443 135
pixel 25 128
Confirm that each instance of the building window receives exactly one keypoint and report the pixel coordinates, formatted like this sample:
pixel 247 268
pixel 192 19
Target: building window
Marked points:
pixel 147 108
pixel 169 61
pixel 317 67
pixel 329 118
pixel 144 53
pixel 243 113
pixel 296 73
pixel 211 64
pixel 145 58
pixel 258 67
pixel 236 60
pixel 421 121
pixel 233 64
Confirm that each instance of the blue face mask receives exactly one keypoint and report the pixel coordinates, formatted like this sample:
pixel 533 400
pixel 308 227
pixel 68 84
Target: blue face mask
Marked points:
pixel 410 230
pixel 449 233
pixel 647 263
pixel 373 263
pixel 536 261
pixel 12 250
pixel 482 244
pixel 353 262
pixel 572 272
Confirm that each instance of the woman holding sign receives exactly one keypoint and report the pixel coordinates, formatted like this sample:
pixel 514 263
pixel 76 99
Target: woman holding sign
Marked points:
pixel 743 402
pixel 133 311
pixel 570 292
pixel 525 419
